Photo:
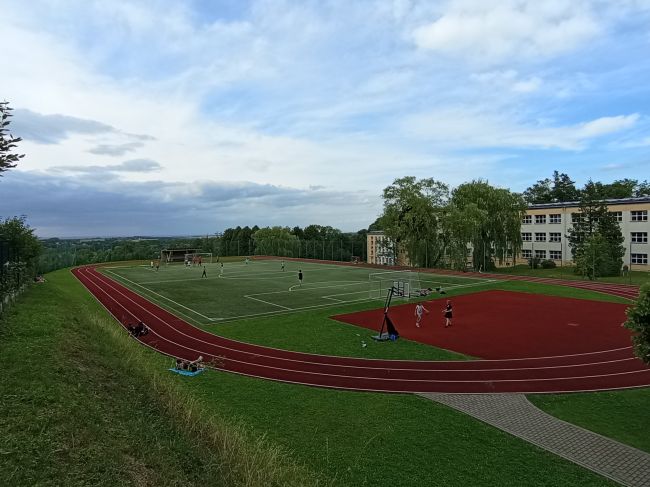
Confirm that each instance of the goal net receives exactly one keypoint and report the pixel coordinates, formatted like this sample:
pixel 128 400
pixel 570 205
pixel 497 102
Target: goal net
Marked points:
pixel 199 258
pixel 404 283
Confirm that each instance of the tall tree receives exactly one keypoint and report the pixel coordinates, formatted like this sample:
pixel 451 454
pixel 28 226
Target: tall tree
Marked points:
pixel 275 241
pixel 7 141
pixel 595 238
pixel 558 189
pixel 488 218
pixel 412 218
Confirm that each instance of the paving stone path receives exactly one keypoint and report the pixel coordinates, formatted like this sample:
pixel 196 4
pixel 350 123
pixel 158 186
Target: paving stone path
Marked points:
pixel 514 414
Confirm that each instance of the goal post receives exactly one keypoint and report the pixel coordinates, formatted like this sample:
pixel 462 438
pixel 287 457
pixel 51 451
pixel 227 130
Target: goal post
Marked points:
pixel 404 284
pixel 205 257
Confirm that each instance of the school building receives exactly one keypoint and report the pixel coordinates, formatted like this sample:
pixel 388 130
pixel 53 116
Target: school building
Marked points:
pixel 544 231
pixel 380 250
pixel 545 228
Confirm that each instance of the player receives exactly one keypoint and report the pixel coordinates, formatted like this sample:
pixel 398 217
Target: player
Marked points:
pixel 205 274
pixel 246 261
pixel 300 277
pixel 419 309
pixel 447 312
pixel 221 270
pixel 151 265
pixel 282 266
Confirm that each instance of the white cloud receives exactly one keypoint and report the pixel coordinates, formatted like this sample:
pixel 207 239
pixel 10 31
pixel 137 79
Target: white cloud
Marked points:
pixel 473 128
pixel 502 32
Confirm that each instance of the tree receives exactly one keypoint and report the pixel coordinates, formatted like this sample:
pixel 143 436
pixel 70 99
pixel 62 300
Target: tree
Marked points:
pixel 559 189
pixel 595 239
pixel 488 218
pixel 7 141
pixel 412 218
pixel 638 320
pixel 275 241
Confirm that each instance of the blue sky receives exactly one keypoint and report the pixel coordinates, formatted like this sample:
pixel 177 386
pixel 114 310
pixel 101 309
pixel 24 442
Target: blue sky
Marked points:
pixel 187 117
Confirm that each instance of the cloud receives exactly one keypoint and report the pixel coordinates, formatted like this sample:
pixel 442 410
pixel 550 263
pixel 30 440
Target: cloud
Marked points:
pixel 115 149
pixel 64 207
pixel 473 128
pixel 51 129
pixel 615 166
pixel 509 79
pixel 495 33
pixel 130 166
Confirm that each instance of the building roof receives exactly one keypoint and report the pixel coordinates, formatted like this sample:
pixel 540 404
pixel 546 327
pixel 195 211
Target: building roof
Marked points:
pixel 608 202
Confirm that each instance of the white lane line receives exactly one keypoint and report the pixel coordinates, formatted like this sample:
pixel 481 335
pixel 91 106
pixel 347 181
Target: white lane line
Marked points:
pixel 267 302
pixel 161 296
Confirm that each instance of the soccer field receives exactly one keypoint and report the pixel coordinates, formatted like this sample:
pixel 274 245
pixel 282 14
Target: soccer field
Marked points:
pixel 262 288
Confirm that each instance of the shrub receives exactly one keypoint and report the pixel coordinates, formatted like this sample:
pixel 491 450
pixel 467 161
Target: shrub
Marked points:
pixel 533 262
pixel 548 264
pixel 638 320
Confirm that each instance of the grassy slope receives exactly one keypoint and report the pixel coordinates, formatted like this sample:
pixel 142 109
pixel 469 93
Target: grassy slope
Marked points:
pixel 67 395
pixel 82 404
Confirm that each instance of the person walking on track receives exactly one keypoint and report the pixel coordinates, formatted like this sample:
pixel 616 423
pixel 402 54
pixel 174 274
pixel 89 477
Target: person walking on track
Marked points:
pixel 447 312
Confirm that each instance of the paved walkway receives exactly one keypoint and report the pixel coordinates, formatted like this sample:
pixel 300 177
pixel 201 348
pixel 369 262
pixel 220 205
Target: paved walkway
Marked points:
pixel 514 414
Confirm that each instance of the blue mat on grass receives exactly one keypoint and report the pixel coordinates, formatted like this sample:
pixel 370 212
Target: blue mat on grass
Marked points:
pixel 186 372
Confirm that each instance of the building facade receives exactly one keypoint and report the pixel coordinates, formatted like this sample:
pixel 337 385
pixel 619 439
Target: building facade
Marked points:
pixel 545 227
pixel 381 250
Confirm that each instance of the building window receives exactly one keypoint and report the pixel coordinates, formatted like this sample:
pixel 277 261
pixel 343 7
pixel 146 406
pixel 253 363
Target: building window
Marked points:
pixel 527 220
pixel 639 237
pixel 556 254
pixel 540 219
pixel 576 217
pixel 555 218
pixel 540 254
pixel 639 216
pixel 640 259
pixel 527 237
pixel 526 253
pixel 617 215
pixel 554 237
pixel 540 237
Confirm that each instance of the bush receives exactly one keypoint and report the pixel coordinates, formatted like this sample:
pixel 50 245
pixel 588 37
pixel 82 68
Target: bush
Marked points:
pixel 548 264
pixel 638 321
pixel 533 262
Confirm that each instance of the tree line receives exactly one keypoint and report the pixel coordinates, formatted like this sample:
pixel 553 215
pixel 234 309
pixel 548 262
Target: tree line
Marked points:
pixel 560 188
pixel 312 242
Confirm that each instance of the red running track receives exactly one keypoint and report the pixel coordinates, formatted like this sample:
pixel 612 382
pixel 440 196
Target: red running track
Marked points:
pixel 612 368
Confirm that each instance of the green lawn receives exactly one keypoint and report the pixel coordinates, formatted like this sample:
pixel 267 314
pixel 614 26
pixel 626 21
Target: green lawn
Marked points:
pixel 567 272
pixel 84 405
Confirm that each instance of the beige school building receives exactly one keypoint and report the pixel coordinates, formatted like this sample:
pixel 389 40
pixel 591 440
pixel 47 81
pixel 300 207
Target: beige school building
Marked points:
pixel 544 231
pixel 545 227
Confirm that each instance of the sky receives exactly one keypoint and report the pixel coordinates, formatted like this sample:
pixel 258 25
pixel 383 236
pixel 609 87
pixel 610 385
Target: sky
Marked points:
pixel 172 117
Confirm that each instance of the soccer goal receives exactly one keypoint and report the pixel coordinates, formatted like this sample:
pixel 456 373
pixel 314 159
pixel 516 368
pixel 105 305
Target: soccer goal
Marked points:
pixel 199 257
pixel 404 284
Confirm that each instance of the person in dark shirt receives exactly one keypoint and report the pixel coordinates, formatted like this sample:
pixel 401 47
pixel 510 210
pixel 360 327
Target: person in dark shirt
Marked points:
pixel 447 312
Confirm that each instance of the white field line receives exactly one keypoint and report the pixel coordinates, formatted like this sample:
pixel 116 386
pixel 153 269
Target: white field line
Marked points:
pixel 316 306
pixel 161 296
pixel 294 310
pixel 250 296
pixel 300 288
